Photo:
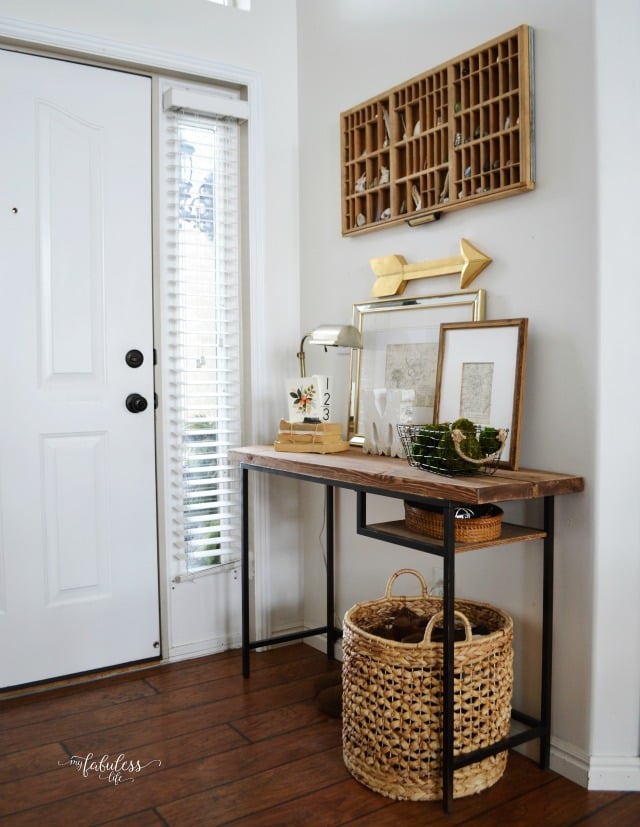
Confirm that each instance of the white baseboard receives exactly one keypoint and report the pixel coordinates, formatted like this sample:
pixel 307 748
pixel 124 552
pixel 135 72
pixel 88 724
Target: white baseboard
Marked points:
pixel 595 772
pixel 569 761
pixel 319 642
pixel 615 773
pixel 201 648
pixel 215 646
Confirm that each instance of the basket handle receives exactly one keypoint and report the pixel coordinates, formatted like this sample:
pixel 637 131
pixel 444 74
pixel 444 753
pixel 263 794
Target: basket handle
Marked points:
pixel 468 633
pixel 423 583
pixel 457 435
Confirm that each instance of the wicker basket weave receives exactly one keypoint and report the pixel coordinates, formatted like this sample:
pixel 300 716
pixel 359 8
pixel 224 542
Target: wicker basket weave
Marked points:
pixel 474 529
pixel 392 697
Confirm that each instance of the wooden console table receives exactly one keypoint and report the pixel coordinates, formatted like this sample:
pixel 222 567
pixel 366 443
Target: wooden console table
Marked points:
pixel 367 474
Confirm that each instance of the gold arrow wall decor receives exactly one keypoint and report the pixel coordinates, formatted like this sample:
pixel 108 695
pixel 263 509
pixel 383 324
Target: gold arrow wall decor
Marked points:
pixel 393 272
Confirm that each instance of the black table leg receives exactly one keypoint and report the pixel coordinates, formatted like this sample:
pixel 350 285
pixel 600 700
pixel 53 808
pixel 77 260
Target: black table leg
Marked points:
pixel 244 573
pixel 547 632
pixel 448 657
pixel 330 571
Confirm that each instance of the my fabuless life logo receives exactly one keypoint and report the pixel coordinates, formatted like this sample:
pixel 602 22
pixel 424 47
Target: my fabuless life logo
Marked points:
pixel 112 770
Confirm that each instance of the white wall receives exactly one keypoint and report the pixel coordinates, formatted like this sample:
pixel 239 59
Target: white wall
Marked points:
pixel 547 266
pixel 615 707
pixel 258 48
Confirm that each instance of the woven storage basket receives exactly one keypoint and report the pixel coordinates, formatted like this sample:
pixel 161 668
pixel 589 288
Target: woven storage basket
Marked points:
pixel 477 529
pixel 392 697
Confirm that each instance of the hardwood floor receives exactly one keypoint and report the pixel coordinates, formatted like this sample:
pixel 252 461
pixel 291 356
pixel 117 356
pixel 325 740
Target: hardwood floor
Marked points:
pixel 194 743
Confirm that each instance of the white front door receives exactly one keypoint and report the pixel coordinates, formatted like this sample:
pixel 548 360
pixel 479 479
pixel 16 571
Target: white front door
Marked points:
pixel 78 549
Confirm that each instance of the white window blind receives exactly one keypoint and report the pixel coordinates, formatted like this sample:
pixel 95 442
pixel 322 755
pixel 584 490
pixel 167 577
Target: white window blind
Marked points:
pixel 202 315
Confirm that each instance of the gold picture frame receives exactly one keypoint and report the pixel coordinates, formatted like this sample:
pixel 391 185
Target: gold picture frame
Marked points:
pixel 409 329
pixel 481 371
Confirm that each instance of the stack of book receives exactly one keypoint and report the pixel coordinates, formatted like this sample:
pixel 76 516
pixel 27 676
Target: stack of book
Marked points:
pixel 310 437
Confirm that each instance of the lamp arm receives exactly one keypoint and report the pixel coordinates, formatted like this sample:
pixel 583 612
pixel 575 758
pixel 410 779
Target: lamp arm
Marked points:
pixel 300 355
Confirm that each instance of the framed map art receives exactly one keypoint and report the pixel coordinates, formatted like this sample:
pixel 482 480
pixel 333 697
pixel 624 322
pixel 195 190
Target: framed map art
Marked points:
pixel 400 341
pixel 481 368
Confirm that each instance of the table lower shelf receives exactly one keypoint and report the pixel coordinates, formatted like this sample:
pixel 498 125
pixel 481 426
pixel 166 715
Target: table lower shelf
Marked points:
pixel 397 531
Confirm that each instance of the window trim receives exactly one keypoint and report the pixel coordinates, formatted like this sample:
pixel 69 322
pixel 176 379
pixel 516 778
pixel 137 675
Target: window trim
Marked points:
pixel 207 101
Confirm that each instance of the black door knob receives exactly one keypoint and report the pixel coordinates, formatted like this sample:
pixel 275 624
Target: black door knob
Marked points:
pixel 136 403
pixel 134 358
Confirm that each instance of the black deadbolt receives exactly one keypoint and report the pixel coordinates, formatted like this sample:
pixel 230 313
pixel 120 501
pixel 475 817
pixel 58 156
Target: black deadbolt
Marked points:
pixel 134 358
pixel 136 403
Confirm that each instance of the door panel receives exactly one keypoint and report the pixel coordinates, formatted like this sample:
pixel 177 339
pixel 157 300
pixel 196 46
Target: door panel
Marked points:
pixel 78 548
pixel 74 469
pixel 70 170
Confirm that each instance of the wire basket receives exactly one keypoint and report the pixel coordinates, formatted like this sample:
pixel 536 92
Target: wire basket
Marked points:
pixel 453 448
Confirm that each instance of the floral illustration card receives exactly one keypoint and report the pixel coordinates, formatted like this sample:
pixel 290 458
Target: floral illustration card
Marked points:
pixel 306 396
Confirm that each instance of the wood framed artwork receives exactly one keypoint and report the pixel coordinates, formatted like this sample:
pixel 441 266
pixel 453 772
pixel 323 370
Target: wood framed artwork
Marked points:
pixel 480 376
pixel 400 339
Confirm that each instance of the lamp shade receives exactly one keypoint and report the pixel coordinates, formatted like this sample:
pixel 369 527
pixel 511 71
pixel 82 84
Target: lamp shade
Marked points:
pixel 330 335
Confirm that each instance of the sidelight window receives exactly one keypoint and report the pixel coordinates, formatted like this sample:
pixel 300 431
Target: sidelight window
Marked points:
pixel 202 323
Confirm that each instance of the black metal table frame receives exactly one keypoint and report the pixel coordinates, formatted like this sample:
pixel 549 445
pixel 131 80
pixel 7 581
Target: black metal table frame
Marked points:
pixel 536 728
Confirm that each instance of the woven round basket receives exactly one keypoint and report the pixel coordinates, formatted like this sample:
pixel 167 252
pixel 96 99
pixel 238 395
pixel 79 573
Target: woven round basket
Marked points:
pixel 392 723
pixel 430 521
